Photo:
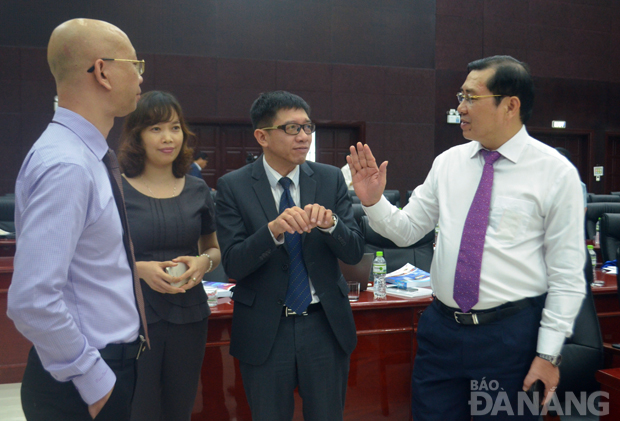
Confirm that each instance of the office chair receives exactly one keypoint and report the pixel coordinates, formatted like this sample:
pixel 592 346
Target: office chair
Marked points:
pixel 7 213
pixel 596 198
pixel 358 212
pixel 610 235
pixel 582 353
pixel 419 254
pixel 393 196
pixel 594 212
pixel 353 197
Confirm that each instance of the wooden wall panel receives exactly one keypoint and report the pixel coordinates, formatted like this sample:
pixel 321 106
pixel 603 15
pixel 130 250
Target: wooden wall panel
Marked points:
pixel 390 64
pixel 378 33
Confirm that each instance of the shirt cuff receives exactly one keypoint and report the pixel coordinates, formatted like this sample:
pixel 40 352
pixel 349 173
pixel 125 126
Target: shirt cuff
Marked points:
pixel 330 229
pixel 96 382
pixel 550 342
pixel 378 211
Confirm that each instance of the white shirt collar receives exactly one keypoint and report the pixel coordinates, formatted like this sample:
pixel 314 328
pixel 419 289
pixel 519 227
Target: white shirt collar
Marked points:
pixel 510 150
pixel 275 176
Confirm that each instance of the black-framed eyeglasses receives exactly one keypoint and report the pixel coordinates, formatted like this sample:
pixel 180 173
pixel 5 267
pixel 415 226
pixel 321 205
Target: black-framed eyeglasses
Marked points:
pixel 471 98
pixel 294 128
pixel 139 64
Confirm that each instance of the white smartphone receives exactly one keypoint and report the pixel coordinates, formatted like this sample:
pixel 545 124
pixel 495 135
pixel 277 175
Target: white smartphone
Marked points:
pixel 177 270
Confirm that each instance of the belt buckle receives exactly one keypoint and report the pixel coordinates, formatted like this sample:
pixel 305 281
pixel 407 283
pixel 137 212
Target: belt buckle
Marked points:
pixel 289 312
pixel 142 346
pixel 474 317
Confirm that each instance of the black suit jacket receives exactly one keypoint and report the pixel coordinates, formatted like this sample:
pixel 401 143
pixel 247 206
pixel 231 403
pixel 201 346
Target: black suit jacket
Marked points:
pixel 245 205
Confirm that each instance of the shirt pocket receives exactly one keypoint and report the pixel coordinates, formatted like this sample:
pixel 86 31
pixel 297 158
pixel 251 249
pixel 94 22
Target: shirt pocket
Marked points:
pixel 509 219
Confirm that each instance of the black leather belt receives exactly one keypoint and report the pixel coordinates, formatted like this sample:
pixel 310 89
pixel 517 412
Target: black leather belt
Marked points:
pixel 127 351
pixel 481 317
pixel 287 312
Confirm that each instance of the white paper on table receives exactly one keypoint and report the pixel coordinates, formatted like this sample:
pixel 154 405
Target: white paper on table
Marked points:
pixel 404 293
pixel 405 270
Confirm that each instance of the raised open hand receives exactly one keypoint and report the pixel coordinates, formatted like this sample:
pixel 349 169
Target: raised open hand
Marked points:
pixel 368 178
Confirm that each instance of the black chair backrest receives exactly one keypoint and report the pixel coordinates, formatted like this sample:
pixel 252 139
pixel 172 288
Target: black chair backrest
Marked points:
pixel 582 354
pixel 596 211
pixel 610 235
pixel 419 254
pixel 393 196
pixel 409 193
pixel 596 198
pixel 7 213
pixel 358 212
pixel 353 196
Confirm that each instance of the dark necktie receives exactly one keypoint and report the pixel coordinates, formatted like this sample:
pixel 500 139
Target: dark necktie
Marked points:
pixel 298 295
pixel 114 173
pixel 467 275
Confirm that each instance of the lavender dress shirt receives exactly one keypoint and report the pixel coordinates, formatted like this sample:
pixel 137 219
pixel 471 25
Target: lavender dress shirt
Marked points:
pixel 72 287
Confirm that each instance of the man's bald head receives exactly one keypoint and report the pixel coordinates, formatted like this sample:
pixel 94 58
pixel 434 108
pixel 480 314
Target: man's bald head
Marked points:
pixel 76 44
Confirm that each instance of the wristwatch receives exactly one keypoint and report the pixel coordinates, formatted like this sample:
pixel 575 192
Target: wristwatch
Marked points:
pixel 556 360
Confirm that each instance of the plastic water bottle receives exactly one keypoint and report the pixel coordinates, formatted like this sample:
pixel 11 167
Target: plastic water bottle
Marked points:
pixel 592 254
pixel 379 269
pixel 597 236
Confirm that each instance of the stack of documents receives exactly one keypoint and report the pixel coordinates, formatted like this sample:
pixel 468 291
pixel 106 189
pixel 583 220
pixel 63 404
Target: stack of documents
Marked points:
pixel 408 293
pixel 223 288
pixel 409 277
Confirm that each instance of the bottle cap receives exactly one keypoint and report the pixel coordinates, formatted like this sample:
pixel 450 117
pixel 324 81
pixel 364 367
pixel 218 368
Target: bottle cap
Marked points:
pixel 590 247
pixel 379 254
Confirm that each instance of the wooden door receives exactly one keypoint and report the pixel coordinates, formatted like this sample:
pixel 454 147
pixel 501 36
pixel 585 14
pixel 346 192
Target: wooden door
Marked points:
pixel 612 162
pixel 578 143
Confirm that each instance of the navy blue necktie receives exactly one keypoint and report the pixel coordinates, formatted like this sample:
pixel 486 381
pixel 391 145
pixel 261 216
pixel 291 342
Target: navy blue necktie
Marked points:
pixel 298 295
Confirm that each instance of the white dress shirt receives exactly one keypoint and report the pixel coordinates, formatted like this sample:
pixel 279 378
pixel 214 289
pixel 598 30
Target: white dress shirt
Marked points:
pixel 535 238
pixel 348 178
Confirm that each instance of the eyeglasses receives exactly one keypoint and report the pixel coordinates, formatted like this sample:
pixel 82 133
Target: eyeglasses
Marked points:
pixel 471 98
pixel 294 128
pixel 139 64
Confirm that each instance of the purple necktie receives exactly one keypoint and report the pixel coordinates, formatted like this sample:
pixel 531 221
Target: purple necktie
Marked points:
pixel 467 276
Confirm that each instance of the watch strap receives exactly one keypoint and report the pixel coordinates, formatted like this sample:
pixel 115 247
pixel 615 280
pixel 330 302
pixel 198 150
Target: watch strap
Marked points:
pixel 553 359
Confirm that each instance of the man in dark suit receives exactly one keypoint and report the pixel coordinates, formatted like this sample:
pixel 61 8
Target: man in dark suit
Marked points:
pixel 198 165
pixel 281 241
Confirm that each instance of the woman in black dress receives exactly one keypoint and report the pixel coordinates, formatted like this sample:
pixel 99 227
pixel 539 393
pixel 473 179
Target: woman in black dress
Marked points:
pixel 172 221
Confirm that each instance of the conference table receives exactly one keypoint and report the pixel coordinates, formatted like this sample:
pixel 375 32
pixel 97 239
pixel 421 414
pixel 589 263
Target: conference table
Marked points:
pixel 379 383
pixel 7 247
pixel 380 372
pixel 381 365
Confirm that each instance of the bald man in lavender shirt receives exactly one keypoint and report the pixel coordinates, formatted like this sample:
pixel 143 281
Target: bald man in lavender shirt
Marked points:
pixel 72 290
